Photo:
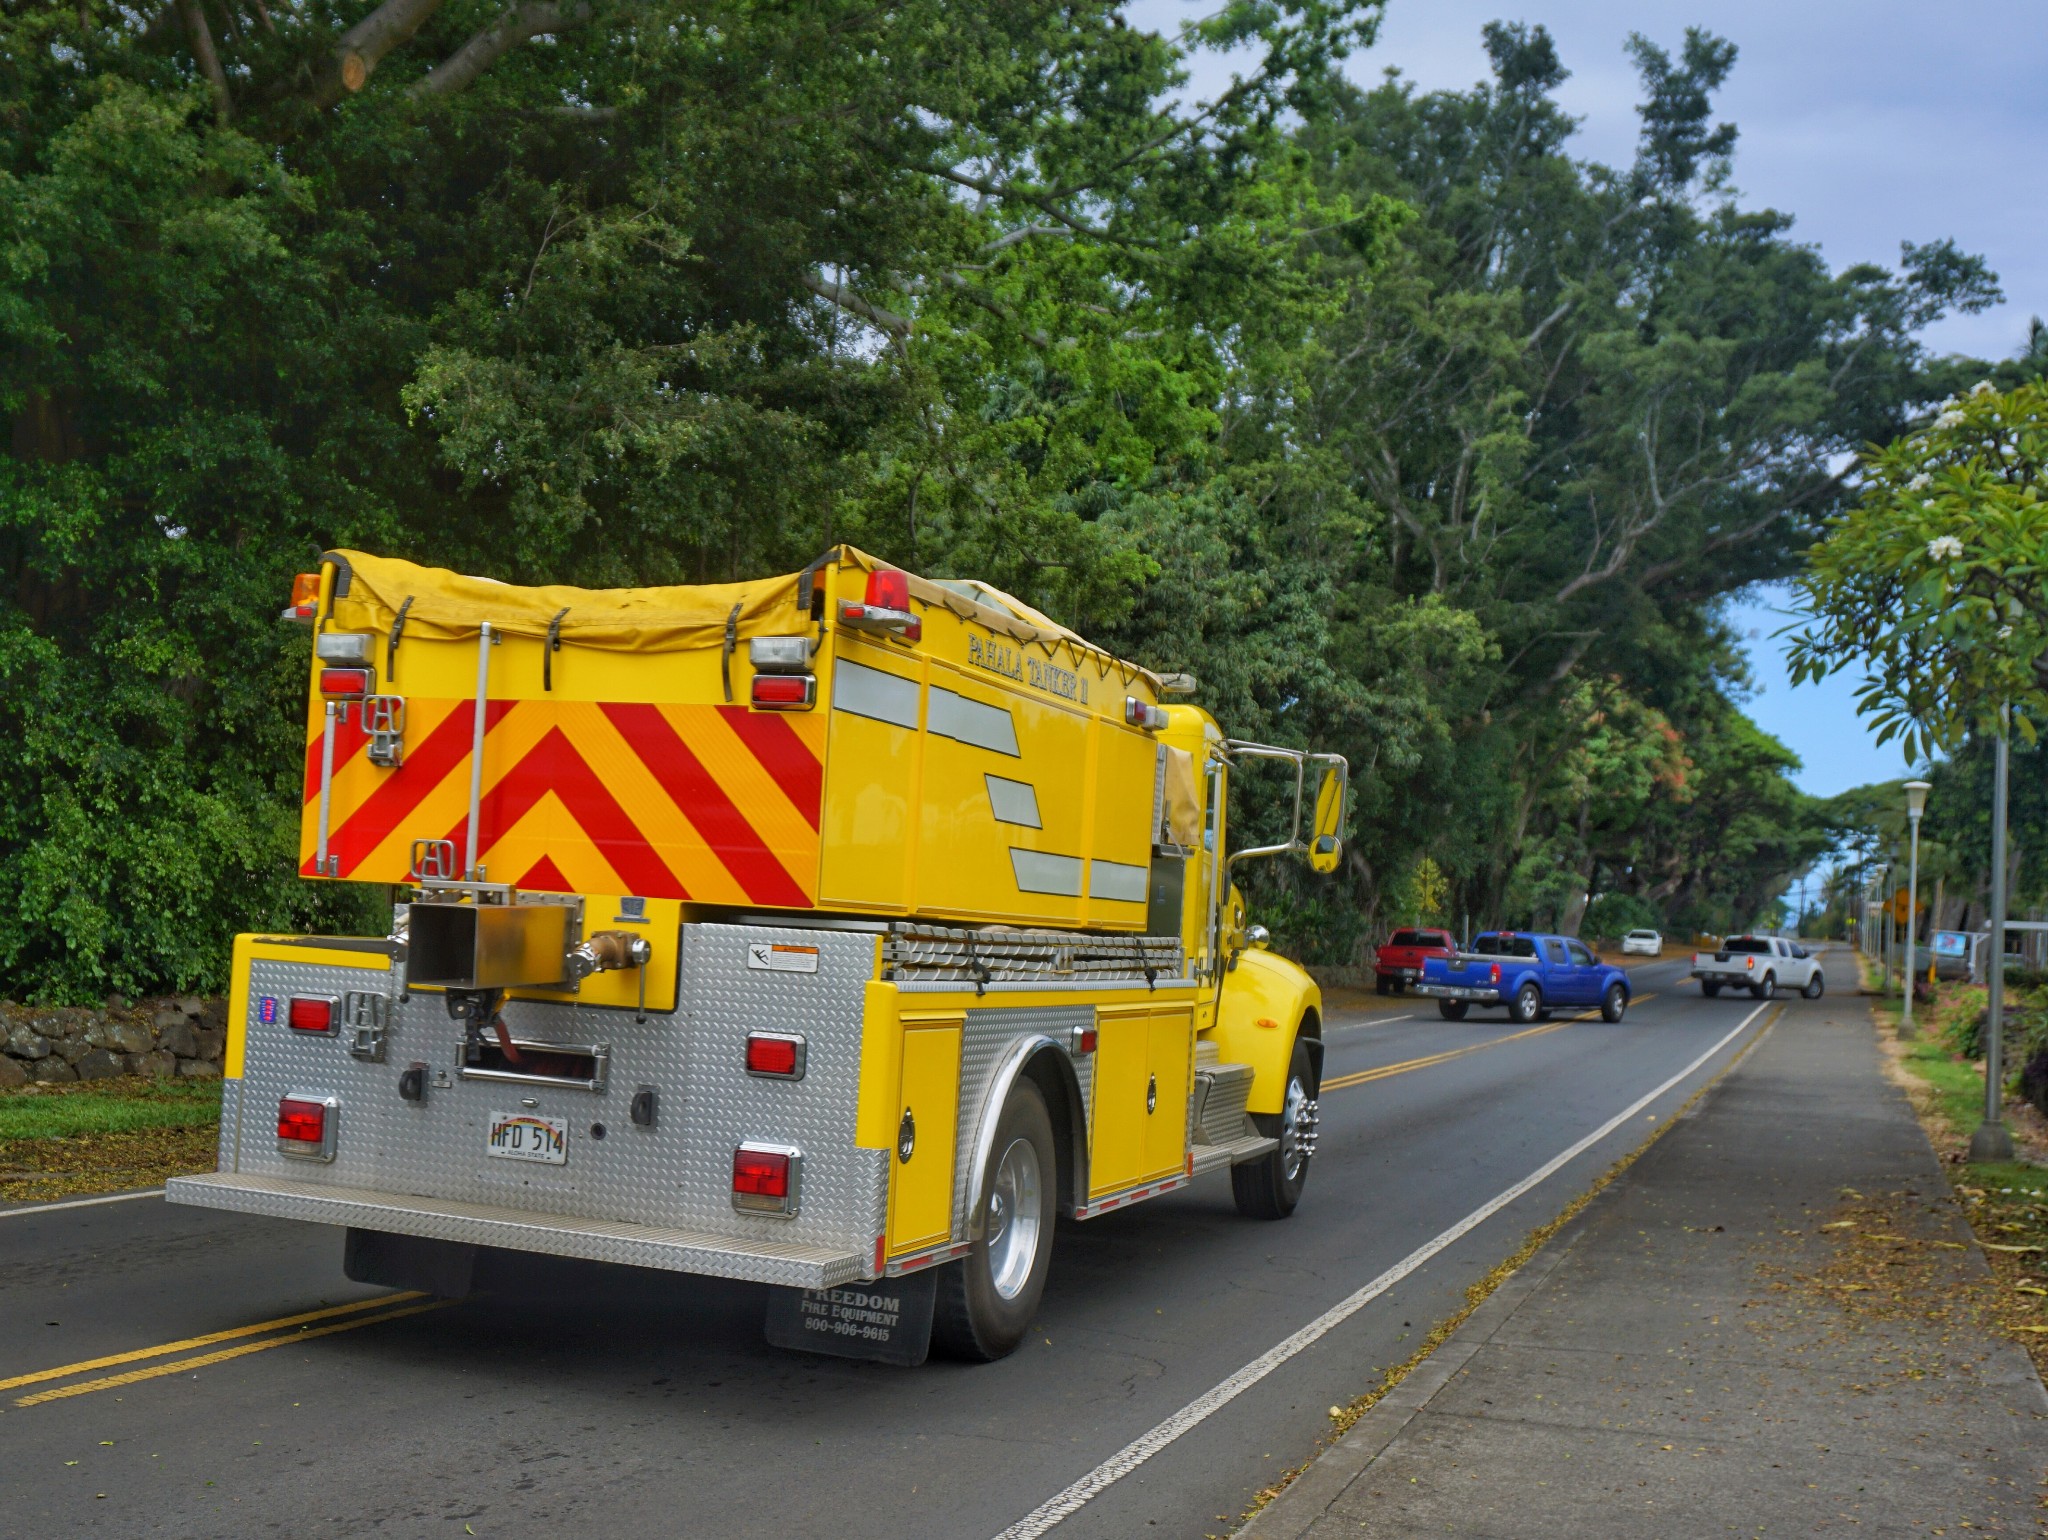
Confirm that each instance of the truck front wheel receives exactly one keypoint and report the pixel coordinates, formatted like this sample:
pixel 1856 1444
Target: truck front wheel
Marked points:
pixel 1269 1187
pixel 987 1299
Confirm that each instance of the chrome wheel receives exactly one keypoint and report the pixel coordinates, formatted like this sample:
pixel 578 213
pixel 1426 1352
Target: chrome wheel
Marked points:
pixel 1013 1219
pixel 1298 1119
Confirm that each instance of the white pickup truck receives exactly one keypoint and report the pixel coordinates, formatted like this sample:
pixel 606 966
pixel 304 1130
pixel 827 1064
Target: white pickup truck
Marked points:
pixel 1759 964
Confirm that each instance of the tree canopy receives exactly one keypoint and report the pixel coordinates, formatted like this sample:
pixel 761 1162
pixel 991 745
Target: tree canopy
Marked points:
pixel 1408 432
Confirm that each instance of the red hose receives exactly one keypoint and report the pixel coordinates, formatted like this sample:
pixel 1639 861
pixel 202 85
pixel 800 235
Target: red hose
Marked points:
pixel 512 1055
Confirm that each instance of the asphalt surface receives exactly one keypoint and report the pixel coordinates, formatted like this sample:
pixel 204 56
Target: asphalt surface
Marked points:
pixel 626 1403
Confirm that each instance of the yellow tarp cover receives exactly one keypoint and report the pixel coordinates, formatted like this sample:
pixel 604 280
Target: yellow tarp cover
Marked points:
pixel 448 606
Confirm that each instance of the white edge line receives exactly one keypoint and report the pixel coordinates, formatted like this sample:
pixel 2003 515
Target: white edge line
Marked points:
pixel 1141 1449
pixel 51 1208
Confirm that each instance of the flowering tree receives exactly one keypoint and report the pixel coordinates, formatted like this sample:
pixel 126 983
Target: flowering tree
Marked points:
pixel 1938 579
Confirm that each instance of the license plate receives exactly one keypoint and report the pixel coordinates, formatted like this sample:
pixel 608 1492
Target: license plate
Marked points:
pixel 527 1136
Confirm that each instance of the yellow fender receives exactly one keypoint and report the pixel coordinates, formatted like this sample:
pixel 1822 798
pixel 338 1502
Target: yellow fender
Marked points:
pixel 1265 1003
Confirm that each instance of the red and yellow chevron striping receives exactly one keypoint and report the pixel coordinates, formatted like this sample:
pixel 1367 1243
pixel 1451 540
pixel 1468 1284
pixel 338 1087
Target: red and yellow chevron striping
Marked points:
pixel 705 802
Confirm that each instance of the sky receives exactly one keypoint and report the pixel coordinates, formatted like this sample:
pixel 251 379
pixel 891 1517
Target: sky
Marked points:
pixel 1872 121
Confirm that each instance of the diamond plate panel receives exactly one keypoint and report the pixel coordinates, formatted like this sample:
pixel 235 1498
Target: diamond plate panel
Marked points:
pixel 673 1176
pixel 759 1261
pixel 230 1122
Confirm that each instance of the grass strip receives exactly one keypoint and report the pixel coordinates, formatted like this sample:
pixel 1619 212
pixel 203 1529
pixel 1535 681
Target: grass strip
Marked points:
pixel 97 1136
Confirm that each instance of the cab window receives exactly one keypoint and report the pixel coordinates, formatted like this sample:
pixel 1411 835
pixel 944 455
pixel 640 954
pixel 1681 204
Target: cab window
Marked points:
pixel 1580 955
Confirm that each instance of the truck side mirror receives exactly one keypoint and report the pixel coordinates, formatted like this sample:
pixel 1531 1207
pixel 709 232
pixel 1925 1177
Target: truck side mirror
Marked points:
pixel 1325 846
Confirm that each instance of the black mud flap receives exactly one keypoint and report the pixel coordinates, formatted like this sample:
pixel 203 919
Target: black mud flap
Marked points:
pixel 443 1268
pixel 888 1321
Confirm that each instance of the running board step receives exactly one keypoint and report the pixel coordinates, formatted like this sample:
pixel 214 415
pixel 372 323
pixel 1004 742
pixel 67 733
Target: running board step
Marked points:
pixel 1214 1157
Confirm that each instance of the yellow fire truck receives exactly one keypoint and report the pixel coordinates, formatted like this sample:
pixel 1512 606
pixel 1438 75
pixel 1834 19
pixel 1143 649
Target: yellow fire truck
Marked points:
pixel 836 931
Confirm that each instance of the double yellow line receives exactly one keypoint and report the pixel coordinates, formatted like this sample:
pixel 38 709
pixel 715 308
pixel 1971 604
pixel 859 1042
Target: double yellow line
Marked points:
pixel 1406 1066
pixel 305 1332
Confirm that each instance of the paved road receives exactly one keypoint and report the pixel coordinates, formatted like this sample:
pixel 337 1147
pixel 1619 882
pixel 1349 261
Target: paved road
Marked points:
pixel 574 1398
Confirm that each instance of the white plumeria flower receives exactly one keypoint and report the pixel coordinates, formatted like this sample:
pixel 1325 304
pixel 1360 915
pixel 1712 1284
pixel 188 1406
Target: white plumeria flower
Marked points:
pixel 1949 419
pixel 2004 632
pixel 1920 483
pixel 1944 548
pixel 1981 388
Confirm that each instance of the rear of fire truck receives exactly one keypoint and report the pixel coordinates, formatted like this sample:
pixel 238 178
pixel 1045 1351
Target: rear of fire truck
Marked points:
pixel 835 931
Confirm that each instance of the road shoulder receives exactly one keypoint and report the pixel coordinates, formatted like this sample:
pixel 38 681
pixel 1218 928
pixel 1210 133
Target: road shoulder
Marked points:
pixel 1778 1314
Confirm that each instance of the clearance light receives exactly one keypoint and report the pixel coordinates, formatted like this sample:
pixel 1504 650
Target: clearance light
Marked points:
pixel 1084 1041
pixel 312 1013
pixel 1143 714
pixel 351 682
pixel 886 608
pixel 305 1126
pixel 775 1055
pixel 764 1179
pixel 780 654
pixel 784 692
pixel 305 598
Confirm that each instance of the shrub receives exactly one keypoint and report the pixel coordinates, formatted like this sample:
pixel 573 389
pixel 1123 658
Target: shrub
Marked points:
pixel 1612 915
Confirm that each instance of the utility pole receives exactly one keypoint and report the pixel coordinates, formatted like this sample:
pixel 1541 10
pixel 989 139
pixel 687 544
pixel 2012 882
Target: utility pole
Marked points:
pixel 1992 1140
pixel 1916 803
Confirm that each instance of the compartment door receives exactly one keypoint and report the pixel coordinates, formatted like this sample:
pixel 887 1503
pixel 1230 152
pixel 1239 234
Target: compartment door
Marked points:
pixel 928 1111
pixel 1172 1043
pixel 1123 1064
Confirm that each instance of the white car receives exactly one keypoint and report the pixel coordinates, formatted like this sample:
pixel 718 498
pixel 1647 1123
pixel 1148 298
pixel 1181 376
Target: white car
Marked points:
pixel 1642 943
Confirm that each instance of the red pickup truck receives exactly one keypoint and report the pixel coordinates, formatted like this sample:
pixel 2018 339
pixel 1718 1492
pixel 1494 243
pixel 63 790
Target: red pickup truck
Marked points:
pixel 1399 963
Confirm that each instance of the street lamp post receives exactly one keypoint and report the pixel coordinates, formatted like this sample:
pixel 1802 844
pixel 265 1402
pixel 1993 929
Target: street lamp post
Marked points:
pixel 1992 1140
pixel 1916 803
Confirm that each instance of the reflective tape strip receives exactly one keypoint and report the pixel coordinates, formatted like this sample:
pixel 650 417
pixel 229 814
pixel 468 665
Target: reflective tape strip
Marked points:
pixel 969 721
pixel 1115 880
pixel 869 692
pixel 1013 802
pixel 1039 871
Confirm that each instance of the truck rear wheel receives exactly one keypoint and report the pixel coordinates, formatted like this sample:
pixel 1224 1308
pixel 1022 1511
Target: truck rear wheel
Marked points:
pixel 1269 1187
pixel 987 1299
pixel 1452 1010
pixel 1765 987
pixel 1527 1004
pixel 1709 988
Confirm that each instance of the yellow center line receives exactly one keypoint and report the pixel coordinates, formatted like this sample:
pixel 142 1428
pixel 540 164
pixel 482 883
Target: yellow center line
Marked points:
pixel 157 1371
pixel 207 1341
pixel 1386 1071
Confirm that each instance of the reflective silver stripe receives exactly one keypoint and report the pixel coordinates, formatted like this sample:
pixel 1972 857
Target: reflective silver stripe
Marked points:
pixel 1039 872
pixel 1013 802
pixel 869 692
pixel 969 721
pixel 1113 879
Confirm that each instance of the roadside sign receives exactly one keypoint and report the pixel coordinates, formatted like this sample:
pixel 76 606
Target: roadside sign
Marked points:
pixel 1902 906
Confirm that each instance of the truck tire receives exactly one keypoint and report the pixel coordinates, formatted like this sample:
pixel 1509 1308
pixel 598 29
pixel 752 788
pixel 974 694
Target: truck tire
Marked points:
pixel 1527 1004
pixel 986 1300
pixel 1710 988
pixel 1613 1004
pixel 1764 987
pixel 1382 984
pixel 1269 1187
pixel 1453 1010
pixel 1815 986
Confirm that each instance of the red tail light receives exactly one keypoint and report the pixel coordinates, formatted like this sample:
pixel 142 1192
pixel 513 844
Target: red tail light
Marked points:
pixel 311 1013
pixel 305 1126
pixel 775 1056
pixel 764 1178
pixel 785 692
pixel 345 681
pixel 1750 963
pixel 1494 976
pixel 889 589
pixel 305 597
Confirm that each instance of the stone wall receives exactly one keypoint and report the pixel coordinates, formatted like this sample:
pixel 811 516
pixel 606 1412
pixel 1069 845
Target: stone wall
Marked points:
pixel 184 1036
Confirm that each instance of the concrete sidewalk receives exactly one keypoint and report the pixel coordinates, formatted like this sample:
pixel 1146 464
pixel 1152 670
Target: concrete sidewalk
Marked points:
pixel 1772 1324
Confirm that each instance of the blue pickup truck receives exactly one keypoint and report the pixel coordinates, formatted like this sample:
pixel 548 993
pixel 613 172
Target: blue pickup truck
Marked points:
pixel 1528 973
